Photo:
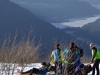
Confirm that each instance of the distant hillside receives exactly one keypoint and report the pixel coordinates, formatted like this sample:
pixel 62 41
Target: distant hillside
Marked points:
pixel 94 31
pixel 93 1
pixel 90 32
pixel 58 10
pixel 14 18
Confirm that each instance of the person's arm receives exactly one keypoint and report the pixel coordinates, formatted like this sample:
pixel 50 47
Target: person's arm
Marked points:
pixel 41 68
pixel 44 71
pixel 65 51
pixel 52 55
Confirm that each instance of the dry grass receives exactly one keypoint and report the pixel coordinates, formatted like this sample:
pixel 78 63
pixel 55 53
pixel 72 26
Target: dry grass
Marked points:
pixel 17 53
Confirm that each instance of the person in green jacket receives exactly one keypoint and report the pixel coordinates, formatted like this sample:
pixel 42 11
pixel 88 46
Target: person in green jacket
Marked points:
pixel 70 58
pixel 95 58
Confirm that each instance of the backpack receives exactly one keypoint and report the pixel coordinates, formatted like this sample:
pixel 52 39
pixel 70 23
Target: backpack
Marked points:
pixel 86 70
pixel 80 52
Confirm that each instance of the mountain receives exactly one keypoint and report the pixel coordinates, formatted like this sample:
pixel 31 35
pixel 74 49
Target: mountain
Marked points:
pixel 89 32
pixel 93 30
pixel 14 18
pixel 58 10
pixel 92 1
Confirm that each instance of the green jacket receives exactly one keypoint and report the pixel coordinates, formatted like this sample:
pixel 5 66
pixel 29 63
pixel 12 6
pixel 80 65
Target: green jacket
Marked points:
pixel 97 56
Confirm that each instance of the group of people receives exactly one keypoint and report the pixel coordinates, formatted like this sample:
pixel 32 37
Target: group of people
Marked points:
pixel 72 61
pixel 68 62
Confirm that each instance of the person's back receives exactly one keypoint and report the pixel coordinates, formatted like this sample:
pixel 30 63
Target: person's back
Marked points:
pixel 70 59
pixel 57 56
pixel 71 55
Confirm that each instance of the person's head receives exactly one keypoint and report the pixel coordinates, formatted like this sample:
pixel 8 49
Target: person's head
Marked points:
pixel 91 45
pixel 58 46
pixel 43 64
pixel 72 44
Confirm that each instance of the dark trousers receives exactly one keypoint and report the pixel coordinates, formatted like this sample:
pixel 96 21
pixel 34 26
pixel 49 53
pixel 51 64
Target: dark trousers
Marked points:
pixel 96 66
pixel 60 66
pixel 69 69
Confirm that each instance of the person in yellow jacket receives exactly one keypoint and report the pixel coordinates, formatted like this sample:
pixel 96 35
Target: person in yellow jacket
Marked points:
pixel 57 57
pixel 95 58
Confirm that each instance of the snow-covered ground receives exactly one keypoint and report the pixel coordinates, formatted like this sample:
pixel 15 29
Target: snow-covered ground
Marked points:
pixel 7 69
pixel 30 66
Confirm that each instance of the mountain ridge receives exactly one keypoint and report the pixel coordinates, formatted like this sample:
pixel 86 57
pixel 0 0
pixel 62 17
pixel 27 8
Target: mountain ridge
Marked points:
pixel 58 11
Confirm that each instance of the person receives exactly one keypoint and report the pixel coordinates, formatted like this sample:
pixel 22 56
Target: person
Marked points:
pixel 83 69
pixel 70 59
pixel 43 70
pixel 95 59
pixel 73 58
pixel 57 57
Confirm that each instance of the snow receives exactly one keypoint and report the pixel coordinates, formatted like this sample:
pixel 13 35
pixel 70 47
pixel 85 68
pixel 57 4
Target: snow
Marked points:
pixel 29 66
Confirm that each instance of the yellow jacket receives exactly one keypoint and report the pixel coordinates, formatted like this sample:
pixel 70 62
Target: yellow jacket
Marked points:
pixel 53 56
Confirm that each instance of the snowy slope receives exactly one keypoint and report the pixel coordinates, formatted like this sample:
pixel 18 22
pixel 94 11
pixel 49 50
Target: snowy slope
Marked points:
pixel 30 66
